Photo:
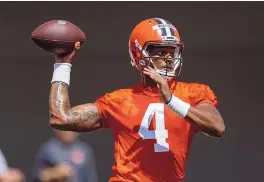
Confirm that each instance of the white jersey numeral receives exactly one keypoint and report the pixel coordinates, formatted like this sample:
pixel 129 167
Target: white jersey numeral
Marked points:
pixel 160 134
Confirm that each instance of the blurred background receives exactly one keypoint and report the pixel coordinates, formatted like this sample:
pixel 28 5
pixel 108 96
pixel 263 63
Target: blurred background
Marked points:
pixel 223 48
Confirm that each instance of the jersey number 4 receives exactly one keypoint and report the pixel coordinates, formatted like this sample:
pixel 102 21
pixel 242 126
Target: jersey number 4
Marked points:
pixel 160 134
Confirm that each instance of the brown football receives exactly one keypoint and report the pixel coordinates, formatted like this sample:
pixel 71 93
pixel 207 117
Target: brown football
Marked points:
pixel 57 36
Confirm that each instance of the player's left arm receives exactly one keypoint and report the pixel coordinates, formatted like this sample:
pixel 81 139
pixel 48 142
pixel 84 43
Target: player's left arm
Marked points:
pixel 207 118
pixel 204 115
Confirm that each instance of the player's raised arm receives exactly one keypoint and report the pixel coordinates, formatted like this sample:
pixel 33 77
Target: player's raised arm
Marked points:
pixel 64 117
pixel 63 38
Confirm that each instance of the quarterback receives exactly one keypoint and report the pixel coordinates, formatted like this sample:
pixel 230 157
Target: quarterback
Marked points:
pixel 154 121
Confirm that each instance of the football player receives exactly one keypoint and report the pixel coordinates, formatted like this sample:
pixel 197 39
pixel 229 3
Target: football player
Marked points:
pixel 153 122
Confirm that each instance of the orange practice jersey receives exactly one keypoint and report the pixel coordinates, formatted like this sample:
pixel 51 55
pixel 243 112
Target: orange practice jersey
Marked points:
pixel 151 140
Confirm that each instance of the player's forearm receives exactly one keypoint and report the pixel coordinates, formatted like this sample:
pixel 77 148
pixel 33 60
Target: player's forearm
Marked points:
pixel 80 118
pixel 204 115
pixel 59 103
pixel 209 122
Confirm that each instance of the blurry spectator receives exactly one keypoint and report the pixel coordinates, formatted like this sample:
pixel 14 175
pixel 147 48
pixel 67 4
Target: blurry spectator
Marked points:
pixel 8 174
pixel 65 158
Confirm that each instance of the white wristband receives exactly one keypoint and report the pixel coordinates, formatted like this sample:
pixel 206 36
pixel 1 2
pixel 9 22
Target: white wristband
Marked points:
pixel 62 73
pixel 179 106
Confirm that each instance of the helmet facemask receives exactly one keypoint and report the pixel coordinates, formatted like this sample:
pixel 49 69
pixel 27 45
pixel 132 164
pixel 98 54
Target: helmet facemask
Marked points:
pixel 175 61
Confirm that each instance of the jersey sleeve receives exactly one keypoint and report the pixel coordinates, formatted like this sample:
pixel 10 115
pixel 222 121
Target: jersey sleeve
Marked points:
pixel 203 94
pixel 106 106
